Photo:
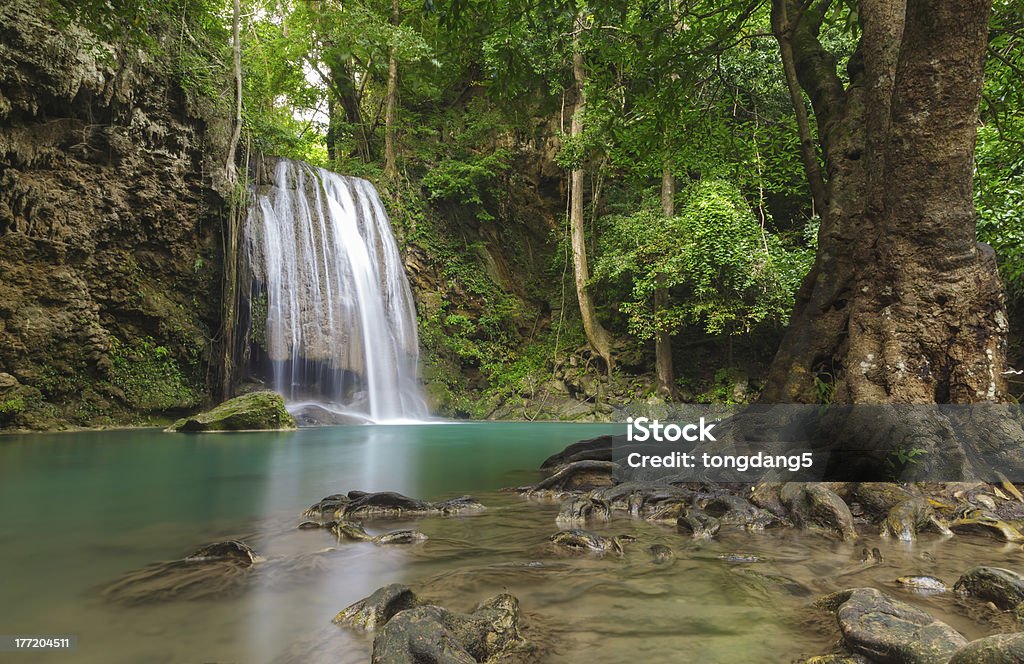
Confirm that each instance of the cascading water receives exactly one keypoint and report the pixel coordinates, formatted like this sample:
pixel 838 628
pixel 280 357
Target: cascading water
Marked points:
pixel 340 334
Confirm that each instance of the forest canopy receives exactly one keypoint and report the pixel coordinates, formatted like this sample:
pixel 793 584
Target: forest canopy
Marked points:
pixel 684 153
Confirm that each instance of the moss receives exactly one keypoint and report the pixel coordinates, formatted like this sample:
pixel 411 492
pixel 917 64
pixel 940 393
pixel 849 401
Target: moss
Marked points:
pixel 149 377
pixel 253 411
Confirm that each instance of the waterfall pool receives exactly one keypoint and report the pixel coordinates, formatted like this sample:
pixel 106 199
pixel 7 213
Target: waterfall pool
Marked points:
pixel 79 510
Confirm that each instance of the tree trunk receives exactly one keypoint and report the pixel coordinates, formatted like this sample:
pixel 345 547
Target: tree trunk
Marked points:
pixel 902 305
pixel 663 340
pixel 233 231
pixel 390 168
pixel 343 84
pixel 597 336
pixel 236 132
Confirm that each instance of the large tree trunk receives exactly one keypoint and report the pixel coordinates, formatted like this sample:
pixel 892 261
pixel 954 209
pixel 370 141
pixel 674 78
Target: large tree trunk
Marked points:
pixel 390 168
pixel 664 370
pixel 902 305
pixel 597 336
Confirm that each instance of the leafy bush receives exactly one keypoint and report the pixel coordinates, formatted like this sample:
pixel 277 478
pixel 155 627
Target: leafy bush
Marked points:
pixel 721 270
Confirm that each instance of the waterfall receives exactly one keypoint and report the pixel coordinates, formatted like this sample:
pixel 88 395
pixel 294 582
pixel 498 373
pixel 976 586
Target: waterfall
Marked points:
pixel 339 338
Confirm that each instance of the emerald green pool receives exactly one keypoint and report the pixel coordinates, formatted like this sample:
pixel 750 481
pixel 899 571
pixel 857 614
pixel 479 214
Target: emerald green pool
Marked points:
pixel 80 510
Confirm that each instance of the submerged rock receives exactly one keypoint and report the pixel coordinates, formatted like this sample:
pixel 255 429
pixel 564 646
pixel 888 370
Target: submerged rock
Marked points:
pixel 576 539
pixel 884 629
pixel 660 554
pixel 360 505
pixel 233 550
pixel 922 584
pixel 1002 587
pixel 698 524
pixel 349 530
pixel 996 649
pixel 212 570
pixel 579 510
pixel 250 412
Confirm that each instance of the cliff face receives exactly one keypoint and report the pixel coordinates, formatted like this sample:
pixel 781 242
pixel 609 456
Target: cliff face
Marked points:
pixel 109 230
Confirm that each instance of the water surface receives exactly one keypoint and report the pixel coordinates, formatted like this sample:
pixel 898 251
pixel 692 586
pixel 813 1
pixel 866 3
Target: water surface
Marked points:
pixel 78 511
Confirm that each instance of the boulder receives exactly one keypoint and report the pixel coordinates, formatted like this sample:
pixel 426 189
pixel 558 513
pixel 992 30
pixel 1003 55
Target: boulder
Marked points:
pixel 996 649
pixel 817 506
pixel 373 612
pixel 886 630
pixel 432 634
pixel 1002 587
pixel 250 412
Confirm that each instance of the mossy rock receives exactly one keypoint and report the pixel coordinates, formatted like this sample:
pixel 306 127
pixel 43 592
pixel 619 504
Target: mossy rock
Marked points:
pixel 253 411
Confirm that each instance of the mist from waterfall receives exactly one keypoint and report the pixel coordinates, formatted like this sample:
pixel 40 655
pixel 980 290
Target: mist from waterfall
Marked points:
pixel 340 326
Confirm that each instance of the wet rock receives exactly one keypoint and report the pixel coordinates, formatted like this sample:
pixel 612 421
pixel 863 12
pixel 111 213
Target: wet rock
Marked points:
pixel 736 511
pixel 349 530
pixel 400 537
pixel 232 550
pixel 577 476
pixel 988 526
pixel 1002 587
pixel 577 539
pixel 391 505
pixel 922 584
pixel 581 509
pixel 911 517
pixel 371 613
pixel 877 498
pixel 434 635
pixel 698 524
pixel 836 658
pixel 660 554
pixel 996 649
pixel 817 506
pixel 766 496
pixel 460 505
pixel 650 500
pixel 886 630
pixel 327 505
pixel 249 412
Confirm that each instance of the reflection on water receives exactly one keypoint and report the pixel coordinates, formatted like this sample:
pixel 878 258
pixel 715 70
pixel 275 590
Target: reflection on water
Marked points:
pixel 78 511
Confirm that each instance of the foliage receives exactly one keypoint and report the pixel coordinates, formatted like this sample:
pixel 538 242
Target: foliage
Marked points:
pixel 725 273
pixel 149 377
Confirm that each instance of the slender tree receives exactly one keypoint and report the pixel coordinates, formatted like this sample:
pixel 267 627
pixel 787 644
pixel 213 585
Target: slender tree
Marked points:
pixel 390 168
pixel 597 335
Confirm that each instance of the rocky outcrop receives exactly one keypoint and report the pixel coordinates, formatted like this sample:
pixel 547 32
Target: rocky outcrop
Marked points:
pixel 109 221
pixel 256 411
pixel 411 631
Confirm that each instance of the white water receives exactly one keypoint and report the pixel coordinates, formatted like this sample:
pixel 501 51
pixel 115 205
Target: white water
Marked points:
pixel 340 322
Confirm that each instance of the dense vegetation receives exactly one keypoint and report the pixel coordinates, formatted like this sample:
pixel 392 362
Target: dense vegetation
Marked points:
pixel 669 123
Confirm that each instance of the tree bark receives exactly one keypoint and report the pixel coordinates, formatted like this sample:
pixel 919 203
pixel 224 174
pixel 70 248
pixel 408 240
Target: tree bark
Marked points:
pixel 664 370
pixel 390 168
pixel 597 335
pixel 902 305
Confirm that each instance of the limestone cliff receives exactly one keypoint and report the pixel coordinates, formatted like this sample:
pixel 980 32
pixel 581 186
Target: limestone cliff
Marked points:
pixel 109 229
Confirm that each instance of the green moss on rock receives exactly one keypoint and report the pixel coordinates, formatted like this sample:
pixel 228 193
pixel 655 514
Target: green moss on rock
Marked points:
pixel 253 411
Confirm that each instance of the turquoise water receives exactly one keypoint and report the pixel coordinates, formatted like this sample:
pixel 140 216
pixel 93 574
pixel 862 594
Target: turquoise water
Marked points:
pixel 79 511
